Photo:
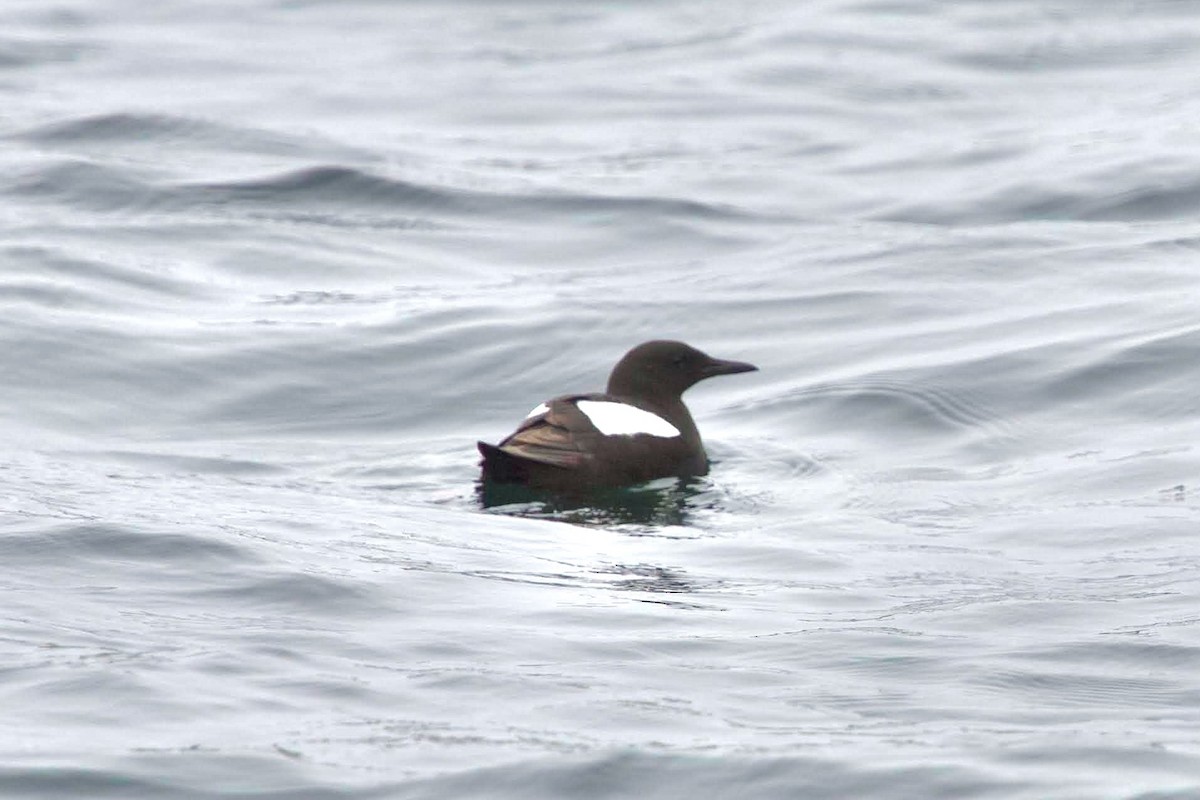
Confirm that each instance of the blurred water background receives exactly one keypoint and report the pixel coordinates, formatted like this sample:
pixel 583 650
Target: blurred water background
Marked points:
pixel 269 268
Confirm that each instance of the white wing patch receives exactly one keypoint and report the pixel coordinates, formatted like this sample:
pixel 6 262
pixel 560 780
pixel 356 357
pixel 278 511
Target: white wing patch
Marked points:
pixel 538 410
pixel 621 419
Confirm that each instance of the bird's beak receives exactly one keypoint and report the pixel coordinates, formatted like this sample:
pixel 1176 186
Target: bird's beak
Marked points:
pixel 720 366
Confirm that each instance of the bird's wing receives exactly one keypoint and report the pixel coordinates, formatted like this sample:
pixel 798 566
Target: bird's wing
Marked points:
pixel 558 436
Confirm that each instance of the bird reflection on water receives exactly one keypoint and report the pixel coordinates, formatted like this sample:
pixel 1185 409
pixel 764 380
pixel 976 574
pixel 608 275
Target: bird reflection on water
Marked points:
pixel 662 509
pixel 659 504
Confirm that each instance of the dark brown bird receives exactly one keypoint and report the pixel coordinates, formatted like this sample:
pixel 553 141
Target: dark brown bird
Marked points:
pixel 636 431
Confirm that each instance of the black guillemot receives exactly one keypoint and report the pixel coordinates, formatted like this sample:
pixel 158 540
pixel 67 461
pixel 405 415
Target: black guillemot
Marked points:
pixel 636 431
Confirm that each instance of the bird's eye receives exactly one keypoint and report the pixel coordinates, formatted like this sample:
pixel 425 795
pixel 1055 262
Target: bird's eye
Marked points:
pixel 678 361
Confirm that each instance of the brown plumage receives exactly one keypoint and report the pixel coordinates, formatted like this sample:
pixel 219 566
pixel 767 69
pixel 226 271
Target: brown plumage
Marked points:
pixel 562 448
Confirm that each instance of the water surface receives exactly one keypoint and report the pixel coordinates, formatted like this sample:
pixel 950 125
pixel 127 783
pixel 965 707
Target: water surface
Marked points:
pixel 270 269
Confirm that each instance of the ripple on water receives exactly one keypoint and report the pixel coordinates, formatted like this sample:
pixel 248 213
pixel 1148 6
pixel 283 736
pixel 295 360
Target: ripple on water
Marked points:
pixel 90 546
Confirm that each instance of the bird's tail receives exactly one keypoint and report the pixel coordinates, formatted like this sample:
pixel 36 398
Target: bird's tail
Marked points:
pixel 501 466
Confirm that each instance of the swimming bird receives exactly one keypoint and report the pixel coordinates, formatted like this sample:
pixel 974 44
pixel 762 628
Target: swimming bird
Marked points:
pixel 637 430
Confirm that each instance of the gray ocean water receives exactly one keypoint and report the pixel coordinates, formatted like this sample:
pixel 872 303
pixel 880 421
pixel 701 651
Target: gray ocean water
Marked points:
pixel 269 268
